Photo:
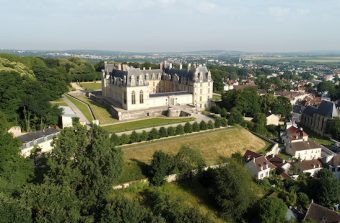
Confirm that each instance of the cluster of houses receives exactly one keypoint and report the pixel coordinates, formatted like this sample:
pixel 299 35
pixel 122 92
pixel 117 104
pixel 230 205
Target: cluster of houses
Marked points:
pixel 305 157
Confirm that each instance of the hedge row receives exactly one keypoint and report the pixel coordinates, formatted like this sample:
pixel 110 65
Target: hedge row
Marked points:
pixel 166 132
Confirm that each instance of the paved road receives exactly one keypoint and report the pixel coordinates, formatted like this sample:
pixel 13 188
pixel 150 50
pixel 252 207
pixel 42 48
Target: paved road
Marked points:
pixel 81 116
pixel 198 118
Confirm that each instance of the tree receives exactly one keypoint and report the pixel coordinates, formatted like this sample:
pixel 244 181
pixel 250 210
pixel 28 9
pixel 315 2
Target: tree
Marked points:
pixel 272 209
pixel 163 132
pixel 86 161
pixel 134 137
pixel 161 166
pixel 15 170
pixel 179 130
pixel 13 210
pixel 124 139
pixel 203 125
pixel 303 199
pixel 282 106
pixel 260 121
pixel 188 159
pixel 153 134
pixel 121 210
pixel 217 123
pixel 235 117
pixel 230 189
pixel 143 136
pixel 115 139
pixel 224 122
pixel 52 203
pixel 195 127
pixel 187 127
pixel 210 124
pixel 324 188
pixel 171 131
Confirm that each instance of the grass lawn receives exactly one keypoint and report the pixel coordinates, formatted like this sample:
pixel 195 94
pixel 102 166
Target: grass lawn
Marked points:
pixel 145 123
pixel 318 139
pixel 59 102
pixel 213 145
pixel 91 85
pixel 216 97
pixel 82 107
pixel 100 112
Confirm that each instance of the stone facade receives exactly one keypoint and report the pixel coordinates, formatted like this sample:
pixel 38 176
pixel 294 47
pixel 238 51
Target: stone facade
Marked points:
pixel 134 89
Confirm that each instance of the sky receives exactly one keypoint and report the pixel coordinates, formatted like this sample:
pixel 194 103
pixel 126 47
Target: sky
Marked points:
pixel 171 25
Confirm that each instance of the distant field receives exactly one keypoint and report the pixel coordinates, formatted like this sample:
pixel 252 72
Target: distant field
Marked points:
pixel 91 85
pixel 146 123
pixel 213 145
pixel 82 107
pixel 100 112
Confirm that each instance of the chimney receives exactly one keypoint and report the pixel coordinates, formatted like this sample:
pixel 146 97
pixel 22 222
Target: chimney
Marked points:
pixel 149 68
pixel 180 66
pixel 170 66
pixel 119 67
pixel 189 66
pixel 143 68
pixel 161 66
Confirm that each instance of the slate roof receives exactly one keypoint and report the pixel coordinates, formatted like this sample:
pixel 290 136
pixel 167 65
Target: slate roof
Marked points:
pixel 186 74
pixel 29 137
pixel 321 214
pixel 326 108
pixel 298 146
pixel 310 110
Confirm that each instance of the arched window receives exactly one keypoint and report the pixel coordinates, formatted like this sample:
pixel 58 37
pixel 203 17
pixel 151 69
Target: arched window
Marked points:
pixel 133 97
pixel 141 97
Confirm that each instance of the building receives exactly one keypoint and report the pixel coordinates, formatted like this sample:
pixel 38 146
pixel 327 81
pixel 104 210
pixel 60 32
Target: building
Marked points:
pixel 40 139
pixel 304 150
pixel 294 134
pixel 135 93
pixel 334 165
pixel 67 116
pixel 258 165
pixel 321 214
pixel 315 118
pixel 310 166
pixel 273 120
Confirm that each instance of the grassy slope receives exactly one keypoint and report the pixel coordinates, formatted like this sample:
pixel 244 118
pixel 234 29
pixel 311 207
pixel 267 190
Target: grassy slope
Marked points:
pixel 82 107
pixel 100 112
pixel 213 145
pixel 146 123
pixel 59 102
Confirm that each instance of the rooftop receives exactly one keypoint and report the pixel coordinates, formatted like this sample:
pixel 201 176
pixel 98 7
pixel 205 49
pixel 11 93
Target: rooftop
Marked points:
pixel 322 214
pixel 305 145
pixel 29 137
pixel 309 164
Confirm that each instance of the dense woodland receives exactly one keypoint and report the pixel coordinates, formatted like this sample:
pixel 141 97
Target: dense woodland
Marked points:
pixel 28 84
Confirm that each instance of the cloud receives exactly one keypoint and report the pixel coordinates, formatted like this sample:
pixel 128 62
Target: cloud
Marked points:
pixel 279 11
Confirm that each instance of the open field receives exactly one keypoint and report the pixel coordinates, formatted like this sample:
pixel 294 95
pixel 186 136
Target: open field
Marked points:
pixel 91 85
pixel 82 107
pixel 59 102
pixel 100 112
pixel 213 145
pixel 145 123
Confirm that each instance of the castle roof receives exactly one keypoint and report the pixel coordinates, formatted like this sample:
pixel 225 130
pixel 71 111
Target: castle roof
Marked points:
pixel 326 109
